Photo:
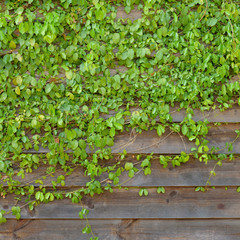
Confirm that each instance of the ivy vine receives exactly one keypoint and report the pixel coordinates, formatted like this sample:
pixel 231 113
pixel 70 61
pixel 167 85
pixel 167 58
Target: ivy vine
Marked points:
pixel 66 65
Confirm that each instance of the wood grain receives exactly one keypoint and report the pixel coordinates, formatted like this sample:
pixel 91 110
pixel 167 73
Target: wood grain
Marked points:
pixel 193 173
pixel 176 203
pixel 122 229
pixel 133 15
pixel 169 143
pixel 231 115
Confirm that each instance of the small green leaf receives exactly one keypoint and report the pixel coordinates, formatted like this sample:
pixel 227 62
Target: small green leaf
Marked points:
pixel 128 166
pixel 118 126
pixel 17 90
pixel 49 88
pixel 3 97
pixel 211 22
pixel 143 191
pixel 184 129
pixel 160 130
pixel 100 14
pixel 116 38
pixel 34 123
pixel 69 74
pixel 50 38
pixel 131 173
pixel 12 45
pixel 160 190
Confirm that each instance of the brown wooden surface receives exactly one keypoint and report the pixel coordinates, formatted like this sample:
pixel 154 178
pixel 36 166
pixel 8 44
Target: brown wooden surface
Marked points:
pixel 169 142
pixel 176 203
pixel 193 173
pixel 122 229
pixel 231 115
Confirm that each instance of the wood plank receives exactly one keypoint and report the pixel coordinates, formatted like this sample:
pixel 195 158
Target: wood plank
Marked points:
pixel 193 173
pixel 133 15
pixel 123 229
pixel 176 203
pixel 169 143
pixel 172 143
pixel 231 115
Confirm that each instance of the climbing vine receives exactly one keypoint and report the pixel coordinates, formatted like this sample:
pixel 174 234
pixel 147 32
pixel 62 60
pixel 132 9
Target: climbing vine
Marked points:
pixel 76 73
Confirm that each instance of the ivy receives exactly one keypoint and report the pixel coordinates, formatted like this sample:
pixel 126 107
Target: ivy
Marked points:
pixel 73 75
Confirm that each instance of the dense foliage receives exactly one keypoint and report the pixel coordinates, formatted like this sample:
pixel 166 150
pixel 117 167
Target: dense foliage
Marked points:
pixel 66 64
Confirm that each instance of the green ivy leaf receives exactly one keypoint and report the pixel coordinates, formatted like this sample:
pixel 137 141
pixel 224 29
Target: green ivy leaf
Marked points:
pixel 118 126
pixel 69 74
pixel 128 166
pixel 12 45
pixel 3 97
pixel 50 38
pixel 211 22
pixel 160 190
pixel 160 130
pixel 116 38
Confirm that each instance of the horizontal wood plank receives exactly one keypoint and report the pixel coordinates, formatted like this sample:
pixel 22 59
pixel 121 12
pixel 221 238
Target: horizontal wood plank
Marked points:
pixel 231 115
pixel 169 143
pixel 173 143
pixel 133 15
pixel 193 173
pixel 176 203
pixel 122 229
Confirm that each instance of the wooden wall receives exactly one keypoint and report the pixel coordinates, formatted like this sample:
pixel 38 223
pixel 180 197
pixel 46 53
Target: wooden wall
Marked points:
pixel 180 213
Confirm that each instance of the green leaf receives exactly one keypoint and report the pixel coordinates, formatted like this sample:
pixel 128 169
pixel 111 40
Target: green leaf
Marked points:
pixel 131 173
pixel 160 130
pixel 118 126
pixel 86 230
pixel 129 54
pixel 211 22
pixel 2 166
pixel 3 97
pixel 19 80
pixel 34 123
pixel 147 171
pixel 184 129
pixel 112 132
pixel 159 55
pixel 50 38
pixel 160 190
pixel 37 195
pixel 2 218
pixel 143 191
pixel 17 90
pixel 116 38
pixel 100 14
pixel 12 45
pixel 85 108
pixel 141 52
pixel 82 144
pixel 74 144
pixel 49 87
pixel 69 74
pixel 145 163
pixel 128 166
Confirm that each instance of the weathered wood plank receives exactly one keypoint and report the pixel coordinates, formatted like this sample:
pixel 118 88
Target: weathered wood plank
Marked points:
pixel 169 142
pixel 176 203
pixel 231 115
pixel 133 15
pixel 193 173
pixel 123 229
